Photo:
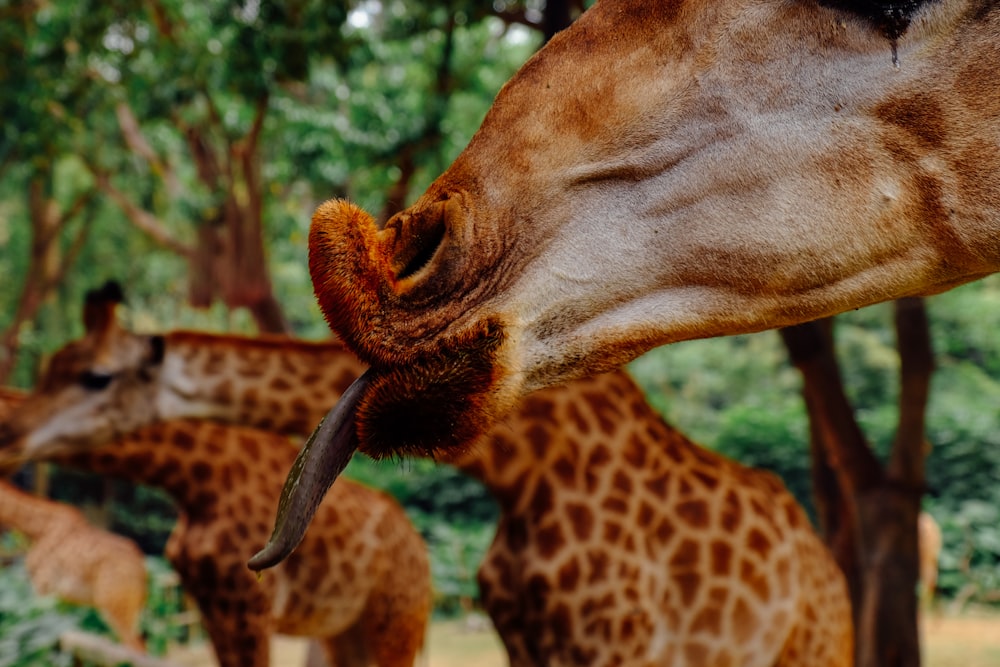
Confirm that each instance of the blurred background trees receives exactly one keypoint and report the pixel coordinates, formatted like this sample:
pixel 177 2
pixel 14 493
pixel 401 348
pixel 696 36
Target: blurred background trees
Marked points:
pixel 181 147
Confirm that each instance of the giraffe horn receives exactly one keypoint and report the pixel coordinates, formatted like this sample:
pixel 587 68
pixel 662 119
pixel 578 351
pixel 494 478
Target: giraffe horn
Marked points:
pixel 316 468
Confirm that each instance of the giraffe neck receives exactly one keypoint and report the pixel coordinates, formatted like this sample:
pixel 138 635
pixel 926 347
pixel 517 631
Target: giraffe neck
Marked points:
pixel 271 383
pixel 30 514
pixel 188 459
pixel 284 385
pixel 288 385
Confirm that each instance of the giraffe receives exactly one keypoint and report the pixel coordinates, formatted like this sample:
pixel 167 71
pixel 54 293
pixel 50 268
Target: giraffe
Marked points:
pixel 360 581
pixel 666 170
pixel 929 545
pixel 77 562
pixel 112 381
pixel 620 542
pixel 73 560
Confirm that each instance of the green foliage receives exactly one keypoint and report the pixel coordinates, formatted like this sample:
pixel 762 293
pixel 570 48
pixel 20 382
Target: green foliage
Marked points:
pixel 424 486
pixel 970 555
pixel 456 550
pixel 30 626
pixel 144 515
pixel 344 97
pixel 772 439
pixel 165 602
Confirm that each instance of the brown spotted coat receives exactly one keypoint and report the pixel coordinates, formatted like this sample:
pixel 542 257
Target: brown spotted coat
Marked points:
pixel 620 542
pixel 624 543
pixel 359 582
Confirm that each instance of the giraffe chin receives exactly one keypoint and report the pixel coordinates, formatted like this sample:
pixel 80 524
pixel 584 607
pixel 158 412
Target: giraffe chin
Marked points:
pixel 320 461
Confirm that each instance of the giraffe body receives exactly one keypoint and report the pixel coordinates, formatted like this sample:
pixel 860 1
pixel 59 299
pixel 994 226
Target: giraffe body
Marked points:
pixel 929 544
pixel 589 565
pixel 77 562
pixel 623 543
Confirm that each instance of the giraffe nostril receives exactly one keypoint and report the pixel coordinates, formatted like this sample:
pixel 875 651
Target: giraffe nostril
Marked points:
pixel 418 235
pixel 426 245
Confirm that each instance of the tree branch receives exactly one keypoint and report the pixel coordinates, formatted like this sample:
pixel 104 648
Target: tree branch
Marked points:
pixel 143 220
pixel 810 347
pixel 137 143
pixel 253 136
pixel 75 207
pixel 916 358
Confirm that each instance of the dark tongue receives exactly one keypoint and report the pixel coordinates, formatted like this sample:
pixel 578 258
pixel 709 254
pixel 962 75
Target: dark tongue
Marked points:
pixel 322 459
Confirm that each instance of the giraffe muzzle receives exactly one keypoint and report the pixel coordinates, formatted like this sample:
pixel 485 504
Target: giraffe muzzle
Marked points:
pixel 321 460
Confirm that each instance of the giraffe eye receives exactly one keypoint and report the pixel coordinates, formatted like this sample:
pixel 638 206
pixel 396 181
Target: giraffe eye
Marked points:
pixel 94 381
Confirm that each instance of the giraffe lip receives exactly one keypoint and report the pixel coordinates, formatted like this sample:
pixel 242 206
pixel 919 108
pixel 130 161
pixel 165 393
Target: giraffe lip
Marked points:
pixel 316 468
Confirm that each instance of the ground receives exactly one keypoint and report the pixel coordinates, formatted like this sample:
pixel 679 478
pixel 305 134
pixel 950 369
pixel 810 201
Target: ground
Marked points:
pixel 969 640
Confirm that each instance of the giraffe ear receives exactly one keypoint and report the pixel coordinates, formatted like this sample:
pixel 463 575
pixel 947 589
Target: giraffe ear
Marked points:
pixel 99 306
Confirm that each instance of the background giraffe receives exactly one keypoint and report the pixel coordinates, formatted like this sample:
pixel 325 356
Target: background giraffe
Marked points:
pixel 359 582
pixel 929 542
pixel 79 563
pixel 73 560
pixel 620 540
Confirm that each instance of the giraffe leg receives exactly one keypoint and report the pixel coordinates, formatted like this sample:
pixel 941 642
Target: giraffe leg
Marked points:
pixel 347 649
pixel 234 607
pixel 317 655
pixel 394 621
pixel 122 616
pixel 239 640
pixel 120 598
pixel 513 635
pixel 504 612
pixel 397 641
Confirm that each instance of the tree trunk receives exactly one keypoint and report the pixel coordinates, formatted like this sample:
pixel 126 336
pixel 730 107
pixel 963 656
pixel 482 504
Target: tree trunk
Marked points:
pixel 836 514
pixel 879 505
pixel 230 261
pixel 887 633
pixel 47 264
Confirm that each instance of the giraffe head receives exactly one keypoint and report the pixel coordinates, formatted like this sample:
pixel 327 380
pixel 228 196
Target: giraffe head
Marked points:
pixel 92 390
pixel 669 170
